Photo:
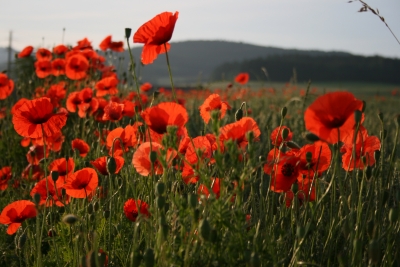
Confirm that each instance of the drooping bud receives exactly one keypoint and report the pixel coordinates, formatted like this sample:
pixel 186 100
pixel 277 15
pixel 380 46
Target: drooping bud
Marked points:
pixel 311 137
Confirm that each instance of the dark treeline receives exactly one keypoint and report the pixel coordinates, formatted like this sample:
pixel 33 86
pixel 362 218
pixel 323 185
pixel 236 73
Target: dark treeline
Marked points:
pixel 323 68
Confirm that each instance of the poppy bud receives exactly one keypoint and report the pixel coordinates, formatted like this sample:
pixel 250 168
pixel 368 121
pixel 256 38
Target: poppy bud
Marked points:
pixel 148 257
pixel 393 215
pixel 192 199
pixel 311 137
pixel 291 144
pixel 309 156
pixel 90 208
pixel 283 112
pixel 160 188
pixel 160 202
pixel 255 260
pixel 136 257
pixel 96 206
pixel 54 175
pixel 300 231
pixel 21 241
pixel 368 172
pixel 36 199
pixel 364 106
pixel 295 188
pixel 111 165
pixel 238 114
pixel 70 219
pixel 128 32
pixel 106 214
pixel 377 155
pixel 374 251
pixel 153 156
pixel 357 116
pixel 196 215
pixel 204 229
pixel 213 236
pixel 380 116
pixel 285 133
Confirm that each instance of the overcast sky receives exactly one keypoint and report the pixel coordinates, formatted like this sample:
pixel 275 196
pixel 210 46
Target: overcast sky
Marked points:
pixel 303 24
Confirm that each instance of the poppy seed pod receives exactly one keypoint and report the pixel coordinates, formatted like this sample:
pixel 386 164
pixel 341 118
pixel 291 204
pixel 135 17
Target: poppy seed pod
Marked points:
pixel 70 219
pixel 128 32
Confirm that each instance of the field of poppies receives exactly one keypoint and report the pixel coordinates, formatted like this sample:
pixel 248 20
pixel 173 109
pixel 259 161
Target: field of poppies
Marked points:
pixel 98 168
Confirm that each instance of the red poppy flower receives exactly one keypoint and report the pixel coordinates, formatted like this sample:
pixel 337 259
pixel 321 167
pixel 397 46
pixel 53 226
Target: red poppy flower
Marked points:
pixel 276 136
pixel 73 101
pixel 43 68
pixel 6 86
pixel 5 176
pixel 107 86
pixel 64 169
pixel 117 46
pixel 47 186
pixel 113 111
pixel 365 147
pixel 129 136
pixel 58 67
pixel 55 141
pixel 101 164
pixel 17 105
pixel 242 78
pixel 141 159
pixel 76 67
pixel 133 207
pixel 306 192
pixel 33 115
pixel 43 54
pixel 26 52
pixel 213 102
pixel 146 87
pixel 154 34
pixel 105 44
pixel 32 173
pixel 56 93
pixel 158 117
pixel 80 145
pixel 319 162
pixel 88 104
pixel 36 154
pixel 332 115
pixel 215 187
pixel 83 44
pixel 237 131
pixel 81 183
pixel 17 212
pixel 60 50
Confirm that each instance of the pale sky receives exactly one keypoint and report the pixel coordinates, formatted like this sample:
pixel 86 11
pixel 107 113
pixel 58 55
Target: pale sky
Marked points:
pixel 325 25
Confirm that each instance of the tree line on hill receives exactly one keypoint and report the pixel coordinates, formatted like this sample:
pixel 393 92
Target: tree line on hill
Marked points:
pixel 322 68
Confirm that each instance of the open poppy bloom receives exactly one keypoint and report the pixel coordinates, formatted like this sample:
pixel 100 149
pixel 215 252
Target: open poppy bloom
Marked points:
pixel 331 115
pixel 76 67
pixel 17 212
pixel 132 208
pixel 43 68
pixel 107 86
pixel 32 173
pixel 56 93
pixel 237 131
pixel 36 154
pixel 81 183
pixel 36 115
pixel 213 102
pixel 107 43
pixel 365 147
pixel 306 192
pixel 276 136
pixel 80 145
pixel 64 168
pixel 155 35
pixel 58 67
pixel 43 54
pixel 165 114
pixel 242 78
pixel 6 86
pixel 320 159
pixel 26 52
pixel 215 187
pixel 45 185
pixel 146 87
pixel 5 175
pixel 101 164
pixel 60 50
pixel 113 111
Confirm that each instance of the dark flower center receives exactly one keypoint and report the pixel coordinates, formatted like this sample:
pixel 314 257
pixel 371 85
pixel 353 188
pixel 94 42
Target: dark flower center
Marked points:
pixel 287 169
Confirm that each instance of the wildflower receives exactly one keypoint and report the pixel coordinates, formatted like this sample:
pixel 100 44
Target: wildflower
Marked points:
pixel 146 87
pixel 43 54
pixel 331 116
pixel 60 50
pixel 107 86
pixel 15 213
pixel 215 187
pixel 43 68
pixel 113 111
pixel 237 131
pixel 58 67
pixel 35 116
pixel 213 102
pixel 49 193
pixel 76 67
pixel 133 207
pixel 64 168
pixel 6 86
pixel 26 52
pixel 276 136
pixel 81 183
pixel 101 164
pixel 141 159
pixel 80 145
pixel 242 78
pixel 155 35
pixel 5 176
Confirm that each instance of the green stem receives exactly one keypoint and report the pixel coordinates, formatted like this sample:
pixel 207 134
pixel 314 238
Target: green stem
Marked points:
pixel 170 74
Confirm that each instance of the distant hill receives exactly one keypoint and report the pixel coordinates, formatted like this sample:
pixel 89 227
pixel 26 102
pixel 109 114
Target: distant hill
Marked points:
pixel 322 68
pixel 205 61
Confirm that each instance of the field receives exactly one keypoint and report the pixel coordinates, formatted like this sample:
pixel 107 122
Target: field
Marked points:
pixel 99 170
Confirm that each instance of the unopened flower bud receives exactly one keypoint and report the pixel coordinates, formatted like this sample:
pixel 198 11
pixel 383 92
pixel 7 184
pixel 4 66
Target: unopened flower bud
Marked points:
pixel 128 32
pixel 160 188
pixel 153 156
pixel 205 229
pixel 309 157
pixel 111 165
pixel 285 133
pixel 54 175
pixel 70 219
pixel 283 112
pixel 311 137
pixel 238 114
pixel 36 199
